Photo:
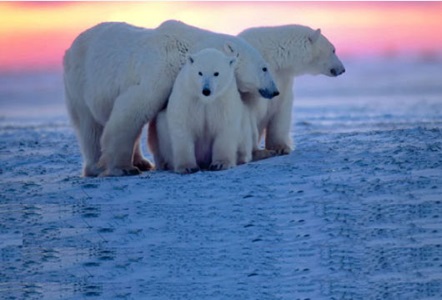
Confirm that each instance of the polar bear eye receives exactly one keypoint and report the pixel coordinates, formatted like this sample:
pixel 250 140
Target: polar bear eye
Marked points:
pixel 200 74
pixel 216 74
pixel 264 69
pixel 334 51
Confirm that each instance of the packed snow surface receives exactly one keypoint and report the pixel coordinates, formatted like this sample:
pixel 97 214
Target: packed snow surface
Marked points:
pixel 353 213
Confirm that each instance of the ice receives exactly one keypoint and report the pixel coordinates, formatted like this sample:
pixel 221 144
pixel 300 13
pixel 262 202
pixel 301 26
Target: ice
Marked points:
pixel 353 213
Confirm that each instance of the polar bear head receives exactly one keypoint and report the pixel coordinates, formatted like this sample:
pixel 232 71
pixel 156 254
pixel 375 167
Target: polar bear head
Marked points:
pixel 210 73
pixel 295 50
pixel 253 74
pixel 323 55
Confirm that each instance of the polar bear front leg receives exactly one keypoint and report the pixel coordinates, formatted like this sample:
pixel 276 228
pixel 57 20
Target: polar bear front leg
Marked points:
pixel 183 149
pixel 131 111
pixel 224 152
pixel 246 141
pixel 278 128
pixel 278 139
pixel 244 154
pixel 118 151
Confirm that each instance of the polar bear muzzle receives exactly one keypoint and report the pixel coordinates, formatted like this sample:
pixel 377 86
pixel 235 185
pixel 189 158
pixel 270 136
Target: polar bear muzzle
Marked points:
pixel 206 92
pixel 266 93
pixel 337 71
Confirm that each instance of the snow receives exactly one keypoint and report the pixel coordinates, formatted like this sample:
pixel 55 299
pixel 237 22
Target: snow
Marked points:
pixel 353 213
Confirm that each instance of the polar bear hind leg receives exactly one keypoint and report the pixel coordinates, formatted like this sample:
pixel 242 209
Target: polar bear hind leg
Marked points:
pixel 138 160
pixel 89 133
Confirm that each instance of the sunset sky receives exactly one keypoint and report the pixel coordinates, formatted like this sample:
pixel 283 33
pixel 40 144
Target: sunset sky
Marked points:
pixel 34 35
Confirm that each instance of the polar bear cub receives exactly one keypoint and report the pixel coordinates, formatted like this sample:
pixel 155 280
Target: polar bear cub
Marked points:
pixel 203 125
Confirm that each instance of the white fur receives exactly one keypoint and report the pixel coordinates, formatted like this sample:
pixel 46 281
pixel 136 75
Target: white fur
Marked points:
pixel 290 50
pixel 202 131
pixel 118 77
pixel 251 71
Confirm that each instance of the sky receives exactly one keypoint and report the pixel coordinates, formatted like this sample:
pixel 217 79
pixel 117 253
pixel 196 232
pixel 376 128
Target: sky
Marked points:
pixel 35 35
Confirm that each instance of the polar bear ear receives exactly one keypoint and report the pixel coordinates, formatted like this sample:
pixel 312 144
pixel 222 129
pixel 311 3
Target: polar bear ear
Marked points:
pixel 314 36
pixel 230 50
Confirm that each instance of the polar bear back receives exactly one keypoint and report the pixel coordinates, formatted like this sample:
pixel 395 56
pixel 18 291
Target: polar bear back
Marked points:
pixel 109 58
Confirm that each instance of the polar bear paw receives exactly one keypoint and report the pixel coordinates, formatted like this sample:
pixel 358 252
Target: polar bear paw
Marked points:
pixel 92 170
pixel 187 169
pixel 114 172
pixel 144 165
pixel 281 149
pixel 220 165
pixel 260 154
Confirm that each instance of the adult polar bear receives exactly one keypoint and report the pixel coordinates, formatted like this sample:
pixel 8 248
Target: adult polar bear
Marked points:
pixel 290 50
pixel 204 124
pixel 118 77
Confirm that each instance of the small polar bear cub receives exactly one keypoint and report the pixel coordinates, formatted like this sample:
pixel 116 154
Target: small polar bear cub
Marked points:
pixel 203 124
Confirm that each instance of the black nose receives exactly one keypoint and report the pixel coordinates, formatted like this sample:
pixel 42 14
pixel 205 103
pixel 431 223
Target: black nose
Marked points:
pixel 268 94
pixel 206 92
pixel 335 72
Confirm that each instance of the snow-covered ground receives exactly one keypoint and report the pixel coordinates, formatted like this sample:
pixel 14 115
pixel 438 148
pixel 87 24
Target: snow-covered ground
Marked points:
pixel 354 212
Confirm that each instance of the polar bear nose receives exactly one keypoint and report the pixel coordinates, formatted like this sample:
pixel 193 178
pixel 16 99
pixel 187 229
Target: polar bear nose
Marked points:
pixel 337 72
pixel 206 92
pixel 268 94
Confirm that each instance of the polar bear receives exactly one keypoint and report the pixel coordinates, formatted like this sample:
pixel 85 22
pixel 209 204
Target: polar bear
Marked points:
pixel 160 144
pixel 250 69
pixel 117 78
pixel 290 50
pixel 203 125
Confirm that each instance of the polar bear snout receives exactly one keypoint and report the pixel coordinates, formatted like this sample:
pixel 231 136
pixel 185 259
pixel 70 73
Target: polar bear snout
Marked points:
pixel 206 92
pixel 337 71
pixel 268 94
